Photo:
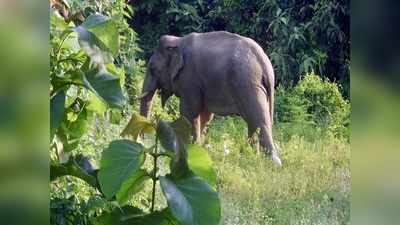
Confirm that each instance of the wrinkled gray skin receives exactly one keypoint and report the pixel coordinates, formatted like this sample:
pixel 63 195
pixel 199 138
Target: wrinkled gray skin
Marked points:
pixel 214 73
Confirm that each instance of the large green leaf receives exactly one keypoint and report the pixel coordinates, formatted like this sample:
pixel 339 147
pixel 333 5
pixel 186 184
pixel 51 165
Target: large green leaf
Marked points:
pixel 57 107
pixel 175 135
pixel 167 137
pixel 119 161
pixel 201 164
pixel 137 125
pixel 174 138
pixel 104 29
pixel 97 51
pixel 106 86
pixel 191 200
pixel 131 186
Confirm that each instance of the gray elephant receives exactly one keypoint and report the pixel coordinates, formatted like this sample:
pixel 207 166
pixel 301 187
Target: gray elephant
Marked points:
pixel 214 73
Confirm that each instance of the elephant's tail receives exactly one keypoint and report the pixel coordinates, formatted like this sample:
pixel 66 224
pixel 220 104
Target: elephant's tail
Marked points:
pixel 271 103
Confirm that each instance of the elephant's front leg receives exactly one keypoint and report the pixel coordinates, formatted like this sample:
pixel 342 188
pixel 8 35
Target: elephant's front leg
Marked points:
pixel 190 108
pixel 196 126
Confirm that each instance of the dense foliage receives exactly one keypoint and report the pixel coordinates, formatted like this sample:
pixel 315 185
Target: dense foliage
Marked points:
pixel 313 108
pixel 299 36
pixel 86 82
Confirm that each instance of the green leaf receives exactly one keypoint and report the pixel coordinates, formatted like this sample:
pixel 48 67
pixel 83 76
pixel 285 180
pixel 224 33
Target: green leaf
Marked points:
pixel 96 105
pixel 68 144
pixel 131 186
pixel 105 30
pixel 79 126
pixel 190 9
pixel 70 40
pixel 75 124
pixel 57 108
pixel 97 51
pixel 72 168
pixel 118 72
pixel 201 164
pixel 174 138
pixel 163 217
pixel 119 161
pixel 167 137
pixel 114 116
pixel 138 125
pixel 129 215
pixel 182 129
pixel 191 200
pixel 174 135
pixel 106 86
pixel 118 216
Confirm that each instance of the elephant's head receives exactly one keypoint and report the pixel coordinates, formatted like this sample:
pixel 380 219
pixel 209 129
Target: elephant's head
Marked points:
pixel 162 69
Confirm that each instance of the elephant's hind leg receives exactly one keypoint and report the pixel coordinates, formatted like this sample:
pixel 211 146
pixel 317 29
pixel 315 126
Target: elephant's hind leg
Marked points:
pixel 254 109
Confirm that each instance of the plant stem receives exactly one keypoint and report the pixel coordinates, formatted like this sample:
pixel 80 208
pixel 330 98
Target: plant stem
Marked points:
pixel 59 47
pixel 154 175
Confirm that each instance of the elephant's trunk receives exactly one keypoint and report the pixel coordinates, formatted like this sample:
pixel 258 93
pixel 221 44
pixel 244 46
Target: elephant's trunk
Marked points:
pixel 148 90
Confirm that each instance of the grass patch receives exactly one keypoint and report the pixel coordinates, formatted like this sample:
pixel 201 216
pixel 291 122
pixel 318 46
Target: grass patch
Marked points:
pixel 312 187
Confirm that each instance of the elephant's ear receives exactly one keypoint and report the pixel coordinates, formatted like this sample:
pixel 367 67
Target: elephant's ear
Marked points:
pixel 176 62
pixel 171 44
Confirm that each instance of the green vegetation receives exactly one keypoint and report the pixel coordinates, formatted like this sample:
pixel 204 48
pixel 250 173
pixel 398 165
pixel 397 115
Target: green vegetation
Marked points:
pixel 85 83
pixel 101 174
pixel 300 36
pixel 314 106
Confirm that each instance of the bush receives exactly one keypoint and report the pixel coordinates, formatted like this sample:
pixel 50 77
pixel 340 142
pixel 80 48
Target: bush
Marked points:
pixel 312 108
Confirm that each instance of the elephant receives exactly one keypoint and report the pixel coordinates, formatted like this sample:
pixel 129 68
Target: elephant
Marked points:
pixel 211 73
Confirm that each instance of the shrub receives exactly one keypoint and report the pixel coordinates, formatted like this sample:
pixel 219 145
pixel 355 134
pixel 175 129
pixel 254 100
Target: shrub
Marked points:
pixel 313 107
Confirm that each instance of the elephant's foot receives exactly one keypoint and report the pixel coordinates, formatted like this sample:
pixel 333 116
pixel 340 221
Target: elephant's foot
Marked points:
pixel 275 158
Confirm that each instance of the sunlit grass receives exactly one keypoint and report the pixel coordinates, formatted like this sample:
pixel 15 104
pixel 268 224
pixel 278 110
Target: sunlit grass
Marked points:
pixel 312 187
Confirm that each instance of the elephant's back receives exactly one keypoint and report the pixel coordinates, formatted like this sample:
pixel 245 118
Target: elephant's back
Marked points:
pixel 211 57
pixel 214 43
pixel 211 53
